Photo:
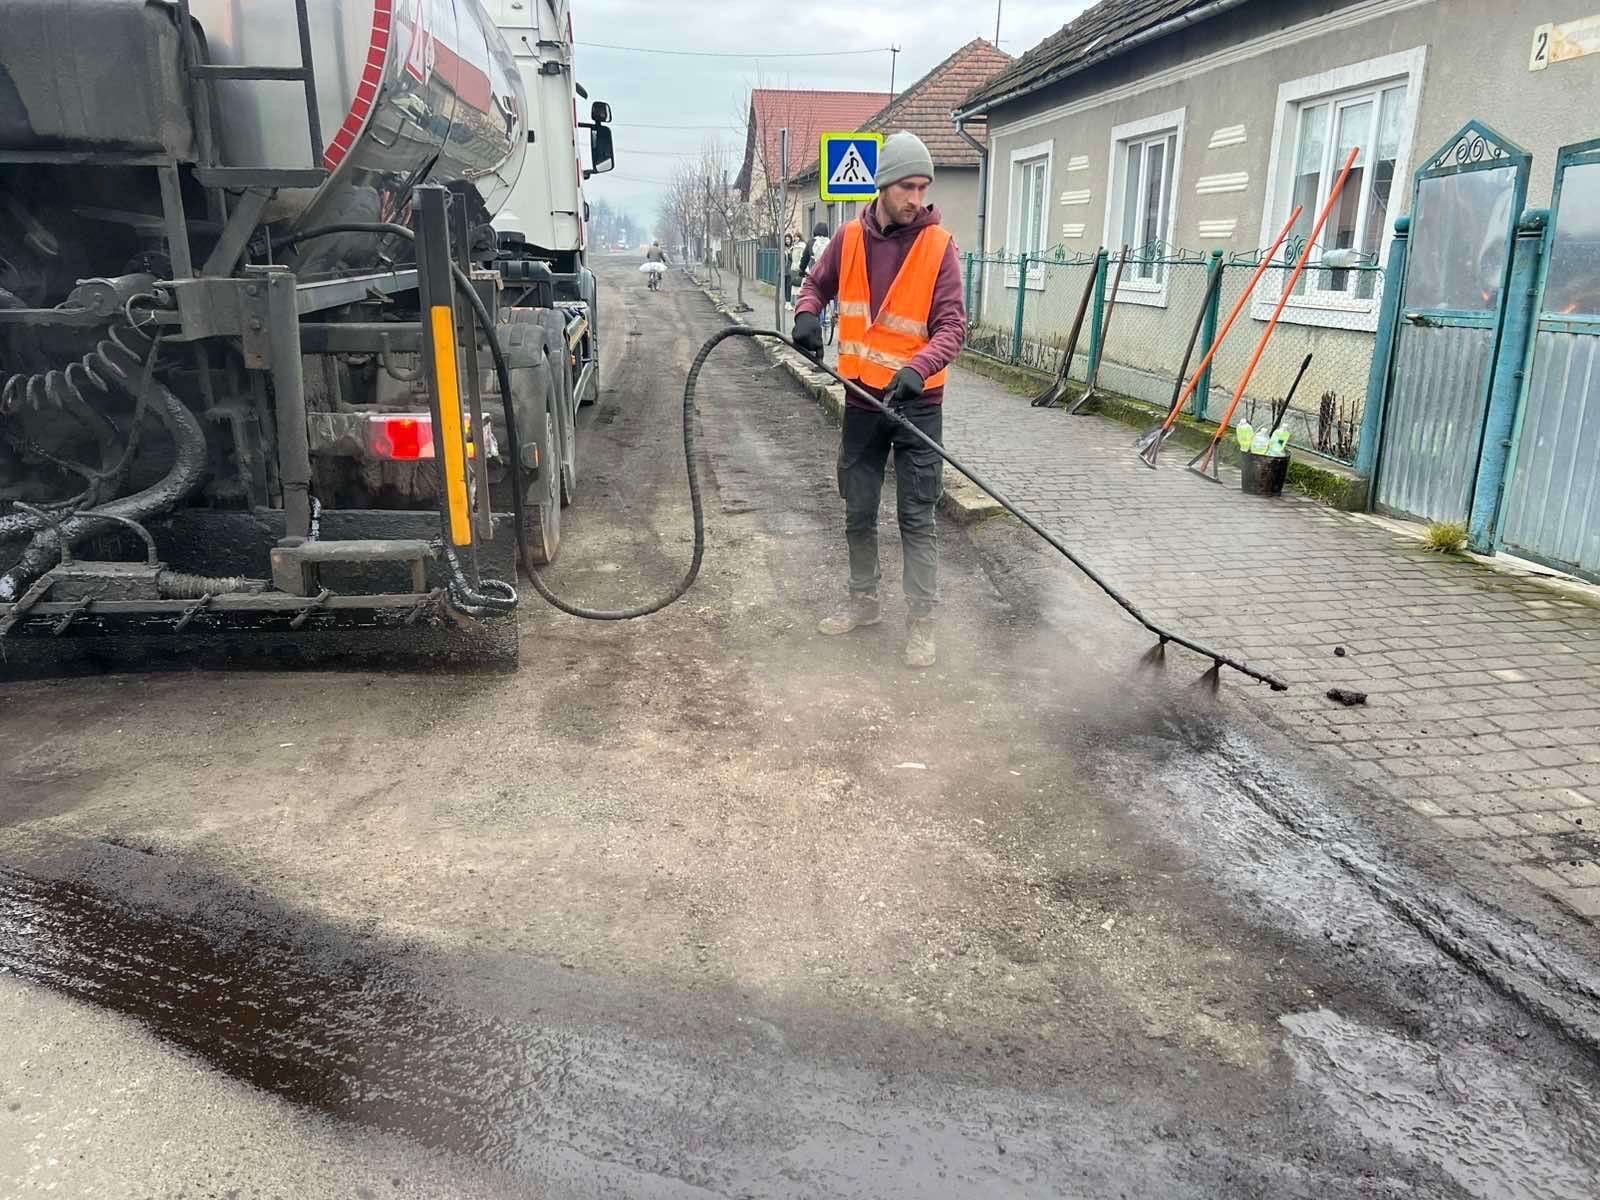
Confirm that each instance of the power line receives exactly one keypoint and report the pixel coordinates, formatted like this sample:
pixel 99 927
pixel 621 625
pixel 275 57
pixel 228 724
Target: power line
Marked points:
pixel 736 53
pixel 659 153
pixel 725 125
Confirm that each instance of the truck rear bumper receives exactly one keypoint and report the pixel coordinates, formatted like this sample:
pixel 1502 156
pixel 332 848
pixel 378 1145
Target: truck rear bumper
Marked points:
pixel 357 611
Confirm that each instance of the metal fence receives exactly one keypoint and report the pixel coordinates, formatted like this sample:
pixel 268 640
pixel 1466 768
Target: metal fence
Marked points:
pixel 1023 308
pixel 767 264
pixel 745 258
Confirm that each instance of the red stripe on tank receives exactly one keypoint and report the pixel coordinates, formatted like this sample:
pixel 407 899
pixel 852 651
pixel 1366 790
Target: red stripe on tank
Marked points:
pixel 367 90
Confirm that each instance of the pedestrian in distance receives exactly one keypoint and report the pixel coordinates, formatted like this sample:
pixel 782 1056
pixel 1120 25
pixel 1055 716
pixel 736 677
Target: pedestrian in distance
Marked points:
pixel 793 272
pixel 896 275
pixel 814 248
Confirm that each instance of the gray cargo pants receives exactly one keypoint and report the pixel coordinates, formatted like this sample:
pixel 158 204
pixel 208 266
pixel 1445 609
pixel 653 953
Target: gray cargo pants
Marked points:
pixel 864 447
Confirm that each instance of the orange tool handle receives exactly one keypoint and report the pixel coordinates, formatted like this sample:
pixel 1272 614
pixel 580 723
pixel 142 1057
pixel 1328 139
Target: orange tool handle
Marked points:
pixel 1283 301
pixel 1266 263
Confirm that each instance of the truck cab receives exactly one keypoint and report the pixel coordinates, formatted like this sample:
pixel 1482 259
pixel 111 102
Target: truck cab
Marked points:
pixel 546 207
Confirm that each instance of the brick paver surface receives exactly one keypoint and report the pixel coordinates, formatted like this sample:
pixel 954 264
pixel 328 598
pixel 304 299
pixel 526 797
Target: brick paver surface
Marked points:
pixel 1484 689
pixel 1484 711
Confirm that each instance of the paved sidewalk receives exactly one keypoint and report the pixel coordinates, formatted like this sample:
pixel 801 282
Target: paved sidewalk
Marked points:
pixel 1484 710
pixel 1484 689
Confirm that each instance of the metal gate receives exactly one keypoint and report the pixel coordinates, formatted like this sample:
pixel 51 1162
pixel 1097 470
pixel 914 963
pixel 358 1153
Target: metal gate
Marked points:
pixel 1553 503
pixel 1463 225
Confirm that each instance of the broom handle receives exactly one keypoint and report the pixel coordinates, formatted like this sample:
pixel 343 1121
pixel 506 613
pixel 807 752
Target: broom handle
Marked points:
pixel 1199 373
pixel 1283 301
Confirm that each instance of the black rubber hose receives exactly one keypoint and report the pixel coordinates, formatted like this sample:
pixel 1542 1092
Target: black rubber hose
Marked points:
pixel 187 470
pixel 716 339
pixel 109 359
pixel 514 443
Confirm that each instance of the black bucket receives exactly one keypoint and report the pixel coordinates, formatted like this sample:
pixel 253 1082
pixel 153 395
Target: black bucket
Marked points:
pixel 1263 474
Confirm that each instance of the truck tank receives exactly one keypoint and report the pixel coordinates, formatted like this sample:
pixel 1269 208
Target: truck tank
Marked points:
pixel 407 90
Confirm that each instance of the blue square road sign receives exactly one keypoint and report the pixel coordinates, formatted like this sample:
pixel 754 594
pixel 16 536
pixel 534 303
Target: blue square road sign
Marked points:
pixel 849 162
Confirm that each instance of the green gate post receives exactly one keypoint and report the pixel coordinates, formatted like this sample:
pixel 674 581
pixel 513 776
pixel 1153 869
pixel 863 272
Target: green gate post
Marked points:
pixel 1505 395
pixel 1208 336
pixel 1394 285
pixel 1022 293
pixel 1097 328
pixel 968 298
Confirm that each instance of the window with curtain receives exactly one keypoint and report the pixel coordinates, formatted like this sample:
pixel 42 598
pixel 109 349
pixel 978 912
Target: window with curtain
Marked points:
pixel 1369 107
pixel 1147 189
pixel 1030 209
pixel 1327 129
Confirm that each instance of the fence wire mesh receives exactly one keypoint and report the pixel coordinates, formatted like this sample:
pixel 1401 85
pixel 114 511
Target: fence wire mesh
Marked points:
pixel 1022 312
pixel 1157 302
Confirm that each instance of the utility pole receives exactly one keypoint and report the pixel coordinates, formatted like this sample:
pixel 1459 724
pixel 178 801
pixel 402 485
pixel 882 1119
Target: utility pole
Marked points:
pixel 894 58
pixel 998 5
pixel 783 226
pixel 705 246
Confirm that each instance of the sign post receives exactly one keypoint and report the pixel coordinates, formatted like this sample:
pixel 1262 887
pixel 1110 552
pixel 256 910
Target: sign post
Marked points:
pixel 783 228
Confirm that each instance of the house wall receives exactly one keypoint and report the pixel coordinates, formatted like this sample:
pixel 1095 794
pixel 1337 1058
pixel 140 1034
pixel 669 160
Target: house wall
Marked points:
pixel 1224 75
pixel 955 193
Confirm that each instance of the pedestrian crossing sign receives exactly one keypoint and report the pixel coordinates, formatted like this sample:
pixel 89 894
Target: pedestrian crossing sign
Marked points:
pixel 849 161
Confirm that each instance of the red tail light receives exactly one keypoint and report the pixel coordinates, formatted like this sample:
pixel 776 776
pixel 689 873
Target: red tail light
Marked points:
pixel 403 437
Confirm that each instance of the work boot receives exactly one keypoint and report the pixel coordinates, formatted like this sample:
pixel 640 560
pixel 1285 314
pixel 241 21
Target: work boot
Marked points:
pixel 919 643
pixel 860 610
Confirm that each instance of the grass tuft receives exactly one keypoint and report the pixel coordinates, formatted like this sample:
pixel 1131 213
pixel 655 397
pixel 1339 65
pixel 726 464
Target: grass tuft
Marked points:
pixel 1446 537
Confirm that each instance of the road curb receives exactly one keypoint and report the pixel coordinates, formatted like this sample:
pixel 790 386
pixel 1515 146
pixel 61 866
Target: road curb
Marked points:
pixel 963 502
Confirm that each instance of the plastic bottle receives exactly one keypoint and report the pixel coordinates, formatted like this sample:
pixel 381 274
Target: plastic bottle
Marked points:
pixel 1279 446
pixel 1259 443
pixel 1245 433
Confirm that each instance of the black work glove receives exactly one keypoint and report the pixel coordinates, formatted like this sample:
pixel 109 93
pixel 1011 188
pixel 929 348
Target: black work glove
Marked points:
pixel 808 334
pixel 905 387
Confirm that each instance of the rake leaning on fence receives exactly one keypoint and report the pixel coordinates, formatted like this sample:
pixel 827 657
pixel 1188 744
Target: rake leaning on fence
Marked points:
pixel 1028 303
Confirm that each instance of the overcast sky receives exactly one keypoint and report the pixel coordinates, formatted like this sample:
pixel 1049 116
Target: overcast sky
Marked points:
pixel 708 94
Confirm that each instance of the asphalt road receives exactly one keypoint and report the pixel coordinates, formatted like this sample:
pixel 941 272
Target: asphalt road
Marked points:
pixel 706 905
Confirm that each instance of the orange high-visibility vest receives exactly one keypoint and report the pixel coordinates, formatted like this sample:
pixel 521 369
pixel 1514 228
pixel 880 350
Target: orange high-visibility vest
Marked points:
pixel 873 349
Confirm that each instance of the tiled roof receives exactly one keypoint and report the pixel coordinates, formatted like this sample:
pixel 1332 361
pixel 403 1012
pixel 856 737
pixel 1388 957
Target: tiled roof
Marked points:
pixel 808 115
pixel 1096 33
pixel 924 108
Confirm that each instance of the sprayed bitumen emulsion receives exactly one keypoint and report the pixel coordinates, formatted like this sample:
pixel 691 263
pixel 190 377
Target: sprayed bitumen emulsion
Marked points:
pixel 588 1110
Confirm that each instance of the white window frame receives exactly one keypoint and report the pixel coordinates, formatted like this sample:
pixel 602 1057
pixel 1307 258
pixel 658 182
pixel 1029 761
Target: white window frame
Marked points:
pixel 1167 124
pixel 1324 309
pixel 1045 151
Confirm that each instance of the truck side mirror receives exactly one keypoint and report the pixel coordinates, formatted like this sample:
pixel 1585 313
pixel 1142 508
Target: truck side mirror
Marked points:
pixel 600 112
pixel 601 153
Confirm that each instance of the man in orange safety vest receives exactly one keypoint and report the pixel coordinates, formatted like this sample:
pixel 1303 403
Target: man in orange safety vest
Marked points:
pixel 896 275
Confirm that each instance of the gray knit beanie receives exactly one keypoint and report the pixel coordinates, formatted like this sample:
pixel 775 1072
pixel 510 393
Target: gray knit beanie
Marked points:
pixel 901 156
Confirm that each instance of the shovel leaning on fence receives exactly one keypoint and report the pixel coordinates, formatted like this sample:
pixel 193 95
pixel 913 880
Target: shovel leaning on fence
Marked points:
pixel 1149 445
pixel 1057 391
pixel 1105 331
pixel 1204 464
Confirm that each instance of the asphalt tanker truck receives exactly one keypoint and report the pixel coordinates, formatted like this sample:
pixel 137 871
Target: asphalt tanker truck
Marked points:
pixel 278 361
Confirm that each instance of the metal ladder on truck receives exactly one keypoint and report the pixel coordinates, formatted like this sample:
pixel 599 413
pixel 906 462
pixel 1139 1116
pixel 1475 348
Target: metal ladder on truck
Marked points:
pixel 258 183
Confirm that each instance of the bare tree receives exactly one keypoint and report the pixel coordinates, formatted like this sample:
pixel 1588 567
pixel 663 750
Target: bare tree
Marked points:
pixel 681 215
pixel 776 209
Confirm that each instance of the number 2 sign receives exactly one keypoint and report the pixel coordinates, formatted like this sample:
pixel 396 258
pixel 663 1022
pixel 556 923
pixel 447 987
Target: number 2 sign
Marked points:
pixel 1562 43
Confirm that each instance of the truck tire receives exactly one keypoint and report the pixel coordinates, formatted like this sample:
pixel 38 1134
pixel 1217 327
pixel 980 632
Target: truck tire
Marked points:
pixel 567 406
pixel 542 505
pixel 589 290
pixel 535 395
